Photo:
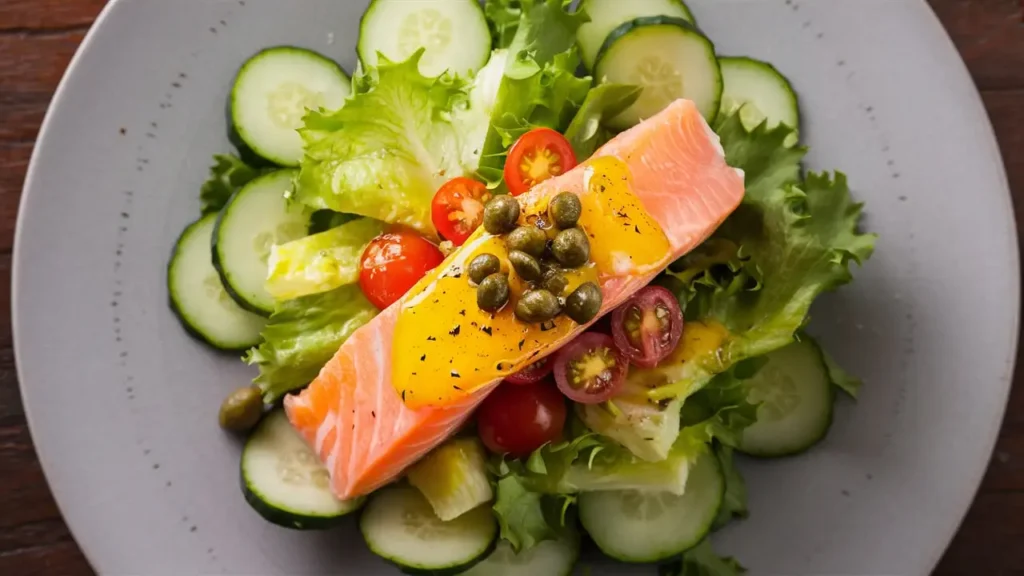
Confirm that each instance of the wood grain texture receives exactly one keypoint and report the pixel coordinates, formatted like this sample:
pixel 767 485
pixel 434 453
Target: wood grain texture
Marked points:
pixel 38 38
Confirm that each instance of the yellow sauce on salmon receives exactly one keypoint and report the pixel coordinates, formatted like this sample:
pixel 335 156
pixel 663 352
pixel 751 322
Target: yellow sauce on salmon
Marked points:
pixel 445 347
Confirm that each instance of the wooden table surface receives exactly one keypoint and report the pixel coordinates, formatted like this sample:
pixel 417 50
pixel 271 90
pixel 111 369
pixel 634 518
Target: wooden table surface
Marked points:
pixel 37 39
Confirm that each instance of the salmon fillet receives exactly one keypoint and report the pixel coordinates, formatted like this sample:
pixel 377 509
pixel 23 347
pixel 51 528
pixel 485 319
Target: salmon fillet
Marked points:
pixel 351 414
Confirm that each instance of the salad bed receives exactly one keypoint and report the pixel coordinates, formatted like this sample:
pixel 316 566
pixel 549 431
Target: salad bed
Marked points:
pixel 344 193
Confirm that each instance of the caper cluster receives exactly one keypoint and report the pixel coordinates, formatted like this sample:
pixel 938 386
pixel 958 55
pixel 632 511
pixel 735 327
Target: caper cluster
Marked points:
pixel 538 261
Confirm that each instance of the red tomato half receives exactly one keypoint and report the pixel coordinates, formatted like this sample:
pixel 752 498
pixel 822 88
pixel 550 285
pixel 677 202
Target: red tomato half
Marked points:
pixel 647 327
pixel 458 208
pixel 516 420
pixel 392 263
pixel 590 369
pixel 538 155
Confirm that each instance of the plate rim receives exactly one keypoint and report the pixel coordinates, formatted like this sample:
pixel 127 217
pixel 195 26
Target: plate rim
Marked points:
pixel 976 108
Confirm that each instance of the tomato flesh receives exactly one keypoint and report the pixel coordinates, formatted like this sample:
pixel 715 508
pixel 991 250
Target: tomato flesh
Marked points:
pixel 648 326
pixel 394 262
pixel 538 155
pixel 458 208
pixel 516 420
pixel 590 369
pixel 533 373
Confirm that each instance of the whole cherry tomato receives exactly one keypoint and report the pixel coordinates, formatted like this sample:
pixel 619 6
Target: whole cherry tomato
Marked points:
pixel 394 262
pixel 518 419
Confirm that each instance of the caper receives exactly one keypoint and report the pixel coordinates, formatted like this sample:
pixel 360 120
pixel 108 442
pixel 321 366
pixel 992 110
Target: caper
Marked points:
pixel 537 306
pixel 571 248
pixel 525 265
pixel 565 210
pixel 529 239
pixel 501 214
pixel 554 281
pixel 584 302
pixel 483 266
pixel 492 293
pixel 242 409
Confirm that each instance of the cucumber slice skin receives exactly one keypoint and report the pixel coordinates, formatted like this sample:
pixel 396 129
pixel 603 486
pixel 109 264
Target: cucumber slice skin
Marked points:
pixel 263 307
pixel 370 527
pixel 263 504
pixel 287 519
pixel 250 151
pixel 191 325
pixel 763 445
pixel 588 35
pixel 787 113
pixel 709 109
pixel 367 48
pixel 594 515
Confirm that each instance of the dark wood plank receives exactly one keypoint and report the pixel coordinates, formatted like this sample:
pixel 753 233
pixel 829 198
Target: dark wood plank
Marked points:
pixel 13 164
pixel 38 38
pixel 30 69
pixel 33 65
pixel 990 37
pixel 989 541
pixel 47 16
pixel 63 559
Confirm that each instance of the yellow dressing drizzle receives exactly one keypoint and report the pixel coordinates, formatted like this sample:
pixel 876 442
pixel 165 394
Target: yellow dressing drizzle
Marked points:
pixel 445 347
pixel 624 238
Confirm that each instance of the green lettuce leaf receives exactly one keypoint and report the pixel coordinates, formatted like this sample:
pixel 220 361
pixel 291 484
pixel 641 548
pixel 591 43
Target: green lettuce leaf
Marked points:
pixel 734 503
pixel 520 514
pixel 591 461
pixel 324 220
pixel 527 517
pixel 842 379
pixel 385 153
pixel 303 334
pixel 539 87
pixel 701 560
pixel 320 262
pixel 472 118
pixel 761 153
pixel 586 132
pixel 785 244
pixel 503 20
pixel 721 409
pixel 227 176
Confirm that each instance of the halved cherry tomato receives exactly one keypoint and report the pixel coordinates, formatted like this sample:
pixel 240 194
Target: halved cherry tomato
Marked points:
pixel 533 373
pixel 648 326
pixel 458 208
pixel 538 155
pixel 590 369
pixel 392 263
pixel 516 420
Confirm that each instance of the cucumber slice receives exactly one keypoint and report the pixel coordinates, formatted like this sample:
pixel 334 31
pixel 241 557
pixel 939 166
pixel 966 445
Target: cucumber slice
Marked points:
pixel 548 558
pixel 669 58
pixel 453 33
pixel 271 94
pixel 257 217
pixel 198 298
pixel 796 402
pixel 284 481
pixel 652 526
pixel 749 81
pixel 606 15
pixel 399 525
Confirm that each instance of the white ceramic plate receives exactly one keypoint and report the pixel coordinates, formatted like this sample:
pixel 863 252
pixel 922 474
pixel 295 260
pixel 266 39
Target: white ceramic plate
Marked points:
pixel 123 404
